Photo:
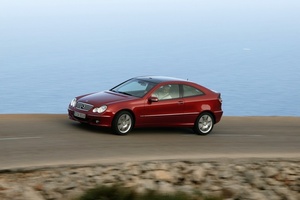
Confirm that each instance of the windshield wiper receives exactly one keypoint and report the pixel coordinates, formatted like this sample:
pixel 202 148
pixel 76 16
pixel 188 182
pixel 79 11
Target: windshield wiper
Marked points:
pixel 116 91
pixel 124 93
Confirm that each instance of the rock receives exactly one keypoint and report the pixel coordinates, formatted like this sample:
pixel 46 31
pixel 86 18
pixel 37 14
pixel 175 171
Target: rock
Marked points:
pixel 207 165
pixel 250 176
pixel 240 168
pixel 225 174
pixel 257 196
pixel 198 174
pixel 163 166
pixel 108 178
pixel 258 183
pixel 3 186
pixel 73 194
pixel 215 188
pixel 282 192
pixel 166 188
pixel 185 188
pixel 69 186
pixel 135 171
pixel 270 171
pixel 31 194
pixel 230 191
pixel 289 171
pixel 147 184
pixel 179 165
pixel 272 182
pixel 161 175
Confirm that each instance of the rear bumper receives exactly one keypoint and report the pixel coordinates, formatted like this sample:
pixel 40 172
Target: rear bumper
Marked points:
pixel 218 116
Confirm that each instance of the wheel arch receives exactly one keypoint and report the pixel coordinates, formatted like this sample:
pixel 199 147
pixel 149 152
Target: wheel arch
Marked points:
pixel 128 110
pixel 210 112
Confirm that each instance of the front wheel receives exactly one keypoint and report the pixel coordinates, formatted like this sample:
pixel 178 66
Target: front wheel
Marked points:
pixel 204 124
pixel 122 123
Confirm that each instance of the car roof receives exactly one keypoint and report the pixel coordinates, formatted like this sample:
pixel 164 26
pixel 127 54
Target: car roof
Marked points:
pixel 158 79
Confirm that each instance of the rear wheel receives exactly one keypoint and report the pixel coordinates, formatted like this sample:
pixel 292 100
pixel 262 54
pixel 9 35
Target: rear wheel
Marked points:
pixel 204 124
pixel 122 123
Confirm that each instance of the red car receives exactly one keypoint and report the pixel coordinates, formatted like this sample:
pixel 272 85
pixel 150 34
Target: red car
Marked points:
pixel 150 101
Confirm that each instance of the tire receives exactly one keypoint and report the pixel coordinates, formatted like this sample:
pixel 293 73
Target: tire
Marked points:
pixel 122 123
pixel 204 124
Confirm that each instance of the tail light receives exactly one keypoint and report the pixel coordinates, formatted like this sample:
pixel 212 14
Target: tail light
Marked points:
pixel 220 99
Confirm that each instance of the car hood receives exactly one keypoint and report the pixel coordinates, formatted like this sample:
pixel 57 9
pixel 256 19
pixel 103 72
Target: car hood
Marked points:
pixel 105 97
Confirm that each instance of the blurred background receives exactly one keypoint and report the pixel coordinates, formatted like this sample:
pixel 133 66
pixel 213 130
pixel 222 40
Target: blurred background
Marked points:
pixel 52 51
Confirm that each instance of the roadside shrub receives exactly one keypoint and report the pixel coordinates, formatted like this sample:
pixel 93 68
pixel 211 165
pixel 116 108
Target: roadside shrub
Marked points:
pixel 119 193
pixel 109 193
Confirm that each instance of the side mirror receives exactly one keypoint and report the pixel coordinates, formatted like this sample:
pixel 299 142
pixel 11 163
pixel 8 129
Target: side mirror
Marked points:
pixel 153 99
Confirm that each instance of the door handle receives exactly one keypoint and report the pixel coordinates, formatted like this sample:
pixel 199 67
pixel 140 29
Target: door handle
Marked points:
pixel 180 102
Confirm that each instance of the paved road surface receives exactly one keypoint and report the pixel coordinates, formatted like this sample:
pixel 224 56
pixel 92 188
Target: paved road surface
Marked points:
pixel 39 140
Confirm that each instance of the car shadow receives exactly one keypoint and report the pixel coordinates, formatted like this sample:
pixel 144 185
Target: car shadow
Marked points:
pixel 163 130
pixel 139 131
pixel 90 128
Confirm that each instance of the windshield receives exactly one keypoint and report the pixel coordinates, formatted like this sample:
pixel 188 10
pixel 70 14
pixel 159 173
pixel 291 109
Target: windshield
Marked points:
pixel 134 87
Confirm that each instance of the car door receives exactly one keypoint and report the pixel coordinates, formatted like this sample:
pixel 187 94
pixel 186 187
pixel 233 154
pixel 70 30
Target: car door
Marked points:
pixel 165 108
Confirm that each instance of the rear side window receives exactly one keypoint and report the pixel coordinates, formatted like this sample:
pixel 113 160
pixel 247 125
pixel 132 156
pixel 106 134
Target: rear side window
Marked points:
pixel 189 91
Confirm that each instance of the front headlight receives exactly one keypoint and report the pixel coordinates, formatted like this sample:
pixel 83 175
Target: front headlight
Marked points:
pixel 73 102
pixel 100 109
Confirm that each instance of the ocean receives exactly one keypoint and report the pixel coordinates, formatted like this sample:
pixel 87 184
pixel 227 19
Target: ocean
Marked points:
pixel 52 51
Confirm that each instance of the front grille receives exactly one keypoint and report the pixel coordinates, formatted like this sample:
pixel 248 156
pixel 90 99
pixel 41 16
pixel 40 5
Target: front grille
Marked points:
pixel 84 106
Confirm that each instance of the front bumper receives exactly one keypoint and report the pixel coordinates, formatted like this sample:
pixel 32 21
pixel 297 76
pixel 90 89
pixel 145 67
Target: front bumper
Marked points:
pixel 97 120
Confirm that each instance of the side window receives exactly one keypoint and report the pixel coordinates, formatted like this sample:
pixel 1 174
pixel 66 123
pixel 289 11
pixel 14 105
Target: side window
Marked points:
pixel 169 91
pixel 189 91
